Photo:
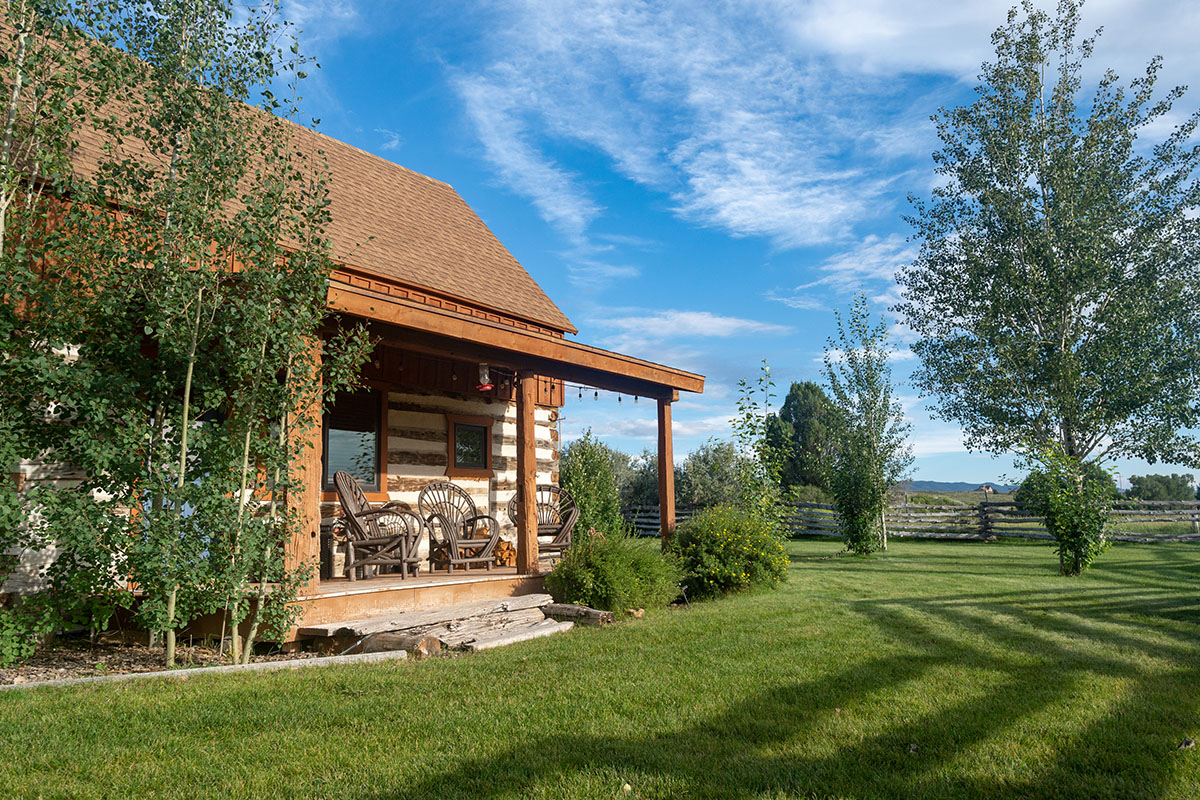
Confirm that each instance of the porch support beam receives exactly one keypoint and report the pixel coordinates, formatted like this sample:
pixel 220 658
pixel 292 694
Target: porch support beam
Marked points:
pixel 527 543
pixel 666 472
pixel 304 431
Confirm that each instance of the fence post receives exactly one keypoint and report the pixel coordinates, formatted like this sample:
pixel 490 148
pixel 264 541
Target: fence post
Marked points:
pixel 985 520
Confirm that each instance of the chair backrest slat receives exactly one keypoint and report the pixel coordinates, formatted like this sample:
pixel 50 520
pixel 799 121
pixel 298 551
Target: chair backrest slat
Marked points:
pixel 447 500
pixel 554 505
pixel 354 501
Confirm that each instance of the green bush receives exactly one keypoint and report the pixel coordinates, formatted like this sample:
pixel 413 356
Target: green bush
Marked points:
pixel 722 550
pixel 615 573
pixel 23 628
pixel 1033 495
pixel 587 473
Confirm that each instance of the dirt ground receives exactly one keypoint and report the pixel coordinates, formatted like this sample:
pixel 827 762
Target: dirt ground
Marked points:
pixel 79 658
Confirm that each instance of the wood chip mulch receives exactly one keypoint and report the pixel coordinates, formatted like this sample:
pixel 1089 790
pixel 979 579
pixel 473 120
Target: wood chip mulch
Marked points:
pixel 81 659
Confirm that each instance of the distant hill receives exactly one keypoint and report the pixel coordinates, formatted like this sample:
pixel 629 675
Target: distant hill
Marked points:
pixel 955 486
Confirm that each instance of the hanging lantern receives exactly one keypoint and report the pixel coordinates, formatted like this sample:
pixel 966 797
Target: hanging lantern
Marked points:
pixel 485 379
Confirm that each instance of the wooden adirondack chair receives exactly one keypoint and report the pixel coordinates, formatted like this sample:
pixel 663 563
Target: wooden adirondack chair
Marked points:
pixel 384 536
pixel 556 517
pixel 468 536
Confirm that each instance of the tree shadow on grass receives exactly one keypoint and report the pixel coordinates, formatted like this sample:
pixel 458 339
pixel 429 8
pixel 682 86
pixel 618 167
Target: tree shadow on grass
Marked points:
pixel 792 738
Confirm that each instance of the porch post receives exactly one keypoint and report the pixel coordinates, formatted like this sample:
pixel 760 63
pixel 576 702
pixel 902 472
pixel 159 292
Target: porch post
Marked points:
pixel 305 433
pixel 666 472
pixel 527 543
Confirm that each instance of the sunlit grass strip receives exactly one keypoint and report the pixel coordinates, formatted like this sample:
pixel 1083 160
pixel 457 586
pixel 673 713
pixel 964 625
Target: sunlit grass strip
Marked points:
pixel 1009 680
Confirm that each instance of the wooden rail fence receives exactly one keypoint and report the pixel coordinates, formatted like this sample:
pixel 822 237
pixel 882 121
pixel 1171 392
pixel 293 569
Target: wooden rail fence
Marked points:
pixel 981 521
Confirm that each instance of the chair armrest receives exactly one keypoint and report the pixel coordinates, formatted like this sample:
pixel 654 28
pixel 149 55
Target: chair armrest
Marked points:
pixel 493 531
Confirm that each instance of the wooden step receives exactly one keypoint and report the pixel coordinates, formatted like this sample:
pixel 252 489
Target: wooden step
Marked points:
pixel 407 620
pixel 547 627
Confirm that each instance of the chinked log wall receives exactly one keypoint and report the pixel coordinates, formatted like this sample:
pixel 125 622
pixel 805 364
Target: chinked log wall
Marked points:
pixel 416 447
pixel 1000 519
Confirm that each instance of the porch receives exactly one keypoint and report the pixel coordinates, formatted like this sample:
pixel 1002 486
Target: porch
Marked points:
pixel 426 391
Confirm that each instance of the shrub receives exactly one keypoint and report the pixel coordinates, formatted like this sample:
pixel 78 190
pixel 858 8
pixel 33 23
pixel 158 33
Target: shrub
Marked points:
pixel 23 628
pixel 722 550
pixel 615 573
pixel 587 473
pixel 1033 494
pixel 1076 511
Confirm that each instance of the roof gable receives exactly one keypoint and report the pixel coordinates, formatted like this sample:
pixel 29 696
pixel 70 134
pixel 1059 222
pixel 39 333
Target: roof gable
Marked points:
pixel 402 225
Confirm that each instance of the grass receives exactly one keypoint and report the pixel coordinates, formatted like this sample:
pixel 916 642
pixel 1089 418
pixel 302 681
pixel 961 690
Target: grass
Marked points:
pixel 1009 680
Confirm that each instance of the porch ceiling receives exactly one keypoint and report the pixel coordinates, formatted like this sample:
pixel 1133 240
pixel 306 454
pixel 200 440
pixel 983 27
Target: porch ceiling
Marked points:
pixel 445 333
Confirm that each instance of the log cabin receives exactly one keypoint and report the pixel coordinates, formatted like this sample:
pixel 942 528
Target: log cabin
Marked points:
pixel 445 300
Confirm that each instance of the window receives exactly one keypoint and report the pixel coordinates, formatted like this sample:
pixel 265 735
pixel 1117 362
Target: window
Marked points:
pixel 353 439
pixel 469 447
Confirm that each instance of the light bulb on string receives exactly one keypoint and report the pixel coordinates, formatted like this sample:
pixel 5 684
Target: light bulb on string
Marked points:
pixel 618 399
pixel 596 396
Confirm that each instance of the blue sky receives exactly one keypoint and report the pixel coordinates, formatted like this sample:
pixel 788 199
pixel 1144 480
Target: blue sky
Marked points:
pixel 698 184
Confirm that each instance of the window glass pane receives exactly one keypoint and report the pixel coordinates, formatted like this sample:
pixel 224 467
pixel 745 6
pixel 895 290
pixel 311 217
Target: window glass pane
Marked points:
pixel 352 451
pixel 352 437
pixel 470 446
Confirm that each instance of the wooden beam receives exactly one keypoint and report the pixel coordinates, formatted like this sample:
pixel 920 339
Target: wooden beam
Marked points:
pixel 304 428
pixel 666 472
pixel 527 543
pixel 456 335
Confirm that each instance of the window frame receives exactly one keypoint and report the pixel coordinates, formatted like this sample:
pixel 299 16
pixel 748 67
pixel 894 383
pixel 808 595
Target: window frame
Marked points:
pixel 378 490
pixel 453 471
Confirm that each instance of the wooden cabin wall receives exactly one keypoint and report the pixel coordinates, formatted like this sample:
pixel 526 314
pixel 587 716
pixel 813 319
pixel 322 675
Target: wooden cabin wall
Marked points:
pixel 417 436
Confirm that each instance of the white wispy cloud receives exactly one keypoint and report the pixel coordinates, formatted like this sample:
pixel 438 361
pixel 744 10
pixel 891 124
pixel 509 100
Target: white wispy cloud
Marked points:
pixel 767 118
pixel 391 139
pixel 673 336
pixel 895 355
pixel 710 105
pixel 869 266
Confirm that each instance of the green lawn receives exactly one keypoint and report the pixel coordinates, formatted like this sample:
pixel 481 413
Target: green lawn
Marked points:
pixel 1010 681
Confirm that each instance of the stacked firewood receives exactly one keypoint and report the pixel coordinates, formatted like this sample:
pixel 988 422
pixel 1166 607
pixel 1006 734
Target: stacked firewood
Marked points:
pixel 506 554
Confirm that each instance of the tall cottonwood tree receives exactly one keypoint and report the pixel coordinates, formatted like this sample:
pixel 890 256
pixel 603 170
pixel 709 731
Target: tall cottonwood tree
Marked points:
pixel 199 234
pixel 871 451
pixel 1055 289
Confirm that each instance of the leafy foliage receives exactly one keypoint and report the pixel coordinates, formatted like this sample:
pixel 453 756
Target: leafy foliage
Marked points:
pixel 1034 492
pixel 872 451
pixel 1162 487
pixel 723 549
pixel 180 382
pixel 586 471
pixel 23 627
pixel 709 475
pixel 614 573
pixel 760 463
pixel 1055 289
pixel 1076 511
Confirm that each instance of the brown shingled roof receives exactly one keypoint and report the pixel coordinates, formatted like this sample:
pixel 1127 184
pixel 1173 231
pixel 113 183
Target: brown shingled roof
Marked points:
pixel 403 226
pixel 400 224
